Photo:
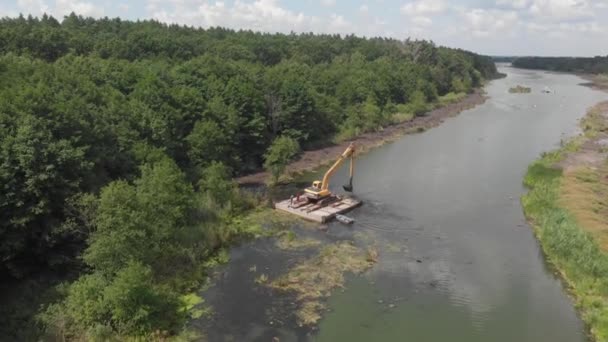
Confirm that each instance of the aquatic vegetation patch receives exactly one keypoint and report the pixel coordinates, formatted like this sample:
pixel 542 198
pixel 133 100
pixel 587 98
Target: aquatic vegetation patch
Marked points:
pixel 372 255
pixel 520 90
pixel 394 247
pixel 288 240
pixel 364 236
pixel 269 222
pixel 261 279
pixel 313 279
pixel 194 306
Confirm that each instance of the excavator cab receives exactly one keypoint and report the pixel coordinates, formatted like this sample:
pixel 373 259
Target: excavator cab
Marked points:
pixel 316 185
pixel 316 192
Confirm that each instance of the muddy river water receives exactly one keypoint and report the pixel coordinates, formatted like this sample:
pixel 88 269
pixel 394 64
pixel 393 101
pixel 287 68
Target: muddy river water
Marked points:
pixel 458 262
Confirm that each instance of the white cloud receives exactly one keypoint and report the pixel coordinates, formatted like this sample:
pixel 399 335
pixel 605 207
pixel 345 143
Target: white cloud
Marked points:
pixel 593 27
pixel 424 7
pixel 63 7
pixel 123 7
pixel 33 7
pixel 516 4
pixel 59 8
pixel 260 15
pixel 556 10
pixel 534 27
pixel 585 28
pixel 5 12
pixel 600 5
pixel 483 23
pixel 328 3
pixel 422 21
pixel 339 24
pixel 370 25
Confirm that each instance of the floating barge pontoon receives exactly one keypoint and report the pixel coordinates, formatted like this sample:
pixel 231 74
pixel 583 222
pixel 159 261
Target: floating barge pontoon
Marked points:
pixel 318 212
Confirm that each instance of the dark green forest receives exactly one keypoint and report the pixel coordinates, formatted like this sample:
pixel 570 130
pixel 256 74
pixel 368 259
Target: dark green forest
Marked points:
pixel 503 59
pixel 590 65
pixel 119 141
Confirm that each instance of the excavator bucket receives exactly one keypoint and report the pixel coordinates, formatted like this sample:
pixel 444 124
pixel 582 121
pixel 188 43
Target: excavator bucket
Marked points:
pixel 348 187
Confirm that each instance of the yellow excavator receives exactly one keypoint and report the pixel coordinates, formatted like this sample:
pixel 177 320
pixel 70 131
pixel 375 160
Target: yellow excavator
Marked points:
pixel 320 189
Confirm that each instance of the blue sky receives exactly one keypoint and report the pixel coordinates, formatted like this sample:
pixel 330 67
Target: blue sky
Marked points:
pixel 499 27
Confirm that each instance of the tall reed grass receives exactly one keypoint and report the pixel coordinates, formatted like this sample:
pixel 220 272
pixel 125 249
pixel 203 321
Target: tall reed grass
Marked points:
pixel 572 250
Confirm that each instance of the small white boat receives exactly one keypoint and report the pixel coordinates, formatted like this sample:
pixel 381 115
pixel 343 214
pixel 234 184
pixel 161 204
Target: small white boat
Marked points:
pixel 344 219
pixel 547 90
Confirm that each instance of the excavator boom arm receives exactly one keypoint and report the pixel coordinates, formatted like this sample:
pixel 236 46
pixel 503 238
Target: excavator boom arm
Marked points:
pixel 349 152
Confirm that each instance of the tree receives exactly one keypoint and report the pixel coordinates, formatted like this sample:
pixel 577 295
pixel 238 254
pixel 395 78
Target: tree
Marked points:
pixel 136 305
pixel 418 103
pixel 207 143
pixel 143 237
pixel 279 154
pixel 142 222
pixel 217 183
pixel 39 173
pixel 127 303
pixel 458 86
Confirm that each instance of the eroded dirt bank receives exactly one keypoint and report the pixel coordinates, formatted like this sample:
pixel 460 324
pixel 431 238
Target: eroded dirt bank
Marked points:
pixel 597 82
pixel 310 160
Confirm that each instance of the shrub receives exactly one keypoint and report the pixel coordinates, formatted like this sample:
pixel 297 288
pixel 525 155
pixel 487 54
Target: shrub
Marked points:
pixel 418 103
pixel 279 154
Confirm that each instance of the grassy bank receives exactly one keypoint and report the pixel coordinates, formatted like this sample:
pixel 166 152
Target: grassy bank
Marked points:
pixel 566 205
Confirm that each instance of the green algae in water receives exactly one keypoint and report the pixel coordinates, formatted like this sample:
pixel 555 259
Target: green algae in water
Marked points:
pixel 520 90
pixel 313 279
pixel 289 241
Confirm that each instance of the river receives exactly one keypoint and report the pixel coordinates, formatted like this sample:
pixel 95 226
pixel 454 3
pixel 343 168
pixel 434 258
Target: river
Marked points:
pixel 458 262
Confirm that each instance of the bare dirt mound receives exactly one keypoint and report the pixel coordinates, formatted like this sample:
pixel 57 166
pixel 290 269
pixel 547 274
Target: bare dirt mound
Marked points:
pixel 594 150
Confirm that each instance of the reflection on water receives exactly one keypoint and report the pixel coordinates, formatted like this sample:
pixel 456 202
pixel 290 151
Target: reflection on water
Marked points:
pixel 457 260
